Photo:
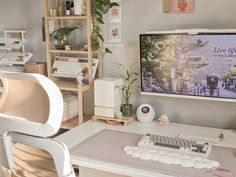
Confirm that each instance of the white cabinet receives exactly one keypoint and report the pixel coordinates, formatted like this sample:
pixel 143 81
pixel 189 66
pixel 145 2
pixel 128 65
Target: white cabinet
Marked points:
pixel 107 98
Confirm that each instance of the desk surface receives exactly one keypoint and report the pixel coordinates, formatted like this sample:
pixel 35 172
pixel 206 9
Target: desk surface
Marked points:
pixel 77 135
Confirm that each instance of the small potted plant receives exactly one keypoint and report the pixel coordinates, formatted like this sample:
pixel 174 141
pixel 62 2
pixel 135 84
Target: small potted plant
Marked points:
pixel 61 37
pixel 129 77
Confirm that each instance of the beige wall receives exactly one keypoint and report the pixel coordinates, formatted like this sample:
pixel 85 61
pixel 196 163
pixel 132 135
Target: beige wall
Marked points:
pixel 139 16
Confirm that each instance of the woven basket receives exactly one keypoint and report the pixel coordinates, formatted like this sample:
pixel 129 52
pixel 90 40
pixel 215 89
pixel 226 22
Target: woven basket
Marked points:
pixel 40 68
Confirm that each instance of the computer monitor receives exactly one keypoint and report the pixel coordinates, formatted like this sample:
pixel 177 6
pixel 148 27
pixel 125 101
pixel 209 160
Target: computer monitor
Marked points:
pixel 190 64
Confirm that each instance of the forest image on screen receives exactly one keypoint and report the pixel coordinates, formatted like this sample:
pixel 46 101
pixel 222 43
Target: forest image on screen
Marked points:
pixel 196 65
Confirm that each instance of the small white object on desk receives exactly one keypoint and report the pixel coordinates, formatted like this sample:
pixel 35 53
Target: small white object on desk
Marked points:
pixel 164 120
pixel 119 115
pixel 145 113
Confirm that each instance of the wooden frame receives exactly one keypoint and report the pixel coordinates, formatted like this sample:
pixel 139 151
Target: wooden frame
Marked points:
pixel 67 85
pixel 114 32
pixel 178 6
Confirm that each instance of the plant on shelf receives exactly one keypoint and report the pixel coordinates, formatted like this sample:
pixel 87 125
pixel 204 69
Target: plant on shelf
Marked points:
pixel 129 78
pixel 99 8
pixel 61 36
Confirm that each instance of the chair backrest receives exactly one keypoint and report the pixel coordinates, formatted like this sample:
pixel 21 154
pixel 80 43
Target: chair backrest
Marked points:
pixel 32 97
pixel 31 109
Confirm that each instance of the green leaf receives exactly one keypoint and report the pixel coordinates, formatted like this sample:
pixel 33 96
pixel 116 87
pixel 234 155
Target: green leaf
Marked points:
pixel 108 51
pixel 100 20
pixel 99 7
pixel 128 74
pixel 133 81
pixel 113 4
pixel 95 44
pixel 100 37
pixel 99 14
pixel 62 32
pixel 105 10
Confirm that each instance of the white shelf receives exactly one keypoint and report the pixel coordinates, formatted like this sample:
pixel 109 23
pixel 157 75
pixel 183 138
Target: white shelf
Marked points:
pixel 17 58
pixel 11 43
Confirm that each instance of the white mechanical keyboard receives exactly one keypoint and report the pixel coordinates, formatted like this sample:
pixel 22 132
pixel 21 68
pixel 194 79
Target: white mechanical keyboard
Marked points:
pixel 173 151
pixel 178 145
pixel 72 67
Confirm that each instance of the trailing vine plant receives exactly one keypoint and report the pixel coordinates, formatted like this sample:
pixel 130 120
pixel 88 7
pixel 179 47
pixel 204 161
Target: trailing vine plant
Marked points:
pixel 99 8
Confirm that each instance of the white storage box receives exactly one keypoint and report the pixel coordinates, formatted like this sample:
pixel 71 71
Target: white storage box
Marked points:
pixel 106 111
pixel 70 106
pixel 106 92
pixel 107 96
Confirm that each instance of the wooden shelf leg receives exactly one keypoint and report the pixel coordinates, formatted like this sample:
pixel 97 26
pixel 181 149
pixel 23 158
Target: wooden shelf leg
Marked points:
pixel 80 104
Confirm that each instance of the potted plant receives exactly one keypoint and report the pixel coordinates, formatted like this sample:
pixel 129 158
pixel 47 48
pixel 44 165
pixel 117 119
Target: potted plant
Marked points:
pixel 61 37
pixel 99 8
pixel 129 78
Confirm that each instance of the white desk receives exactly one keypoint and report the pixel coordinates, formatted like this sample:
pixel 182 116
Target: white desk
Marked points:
pixel 89 167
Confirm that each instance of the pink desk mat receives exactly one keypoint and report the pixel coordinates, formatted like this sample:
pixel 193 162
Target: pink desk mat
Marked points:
pixel 107 146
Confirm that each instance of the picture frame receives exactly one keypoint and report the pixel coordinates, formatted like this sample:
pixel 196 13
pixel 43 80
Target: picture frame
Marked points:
pixel 178 6
pixel 114 33
pixel 115 14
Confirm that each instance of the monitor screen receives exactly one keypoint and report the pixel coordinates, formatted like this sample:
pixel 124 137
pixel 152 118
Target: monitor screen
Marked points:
pixel 199 65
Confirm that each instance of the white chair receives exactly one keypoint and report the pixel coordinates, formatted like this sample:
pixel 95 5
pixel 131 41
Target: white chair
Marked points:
pixel 31 110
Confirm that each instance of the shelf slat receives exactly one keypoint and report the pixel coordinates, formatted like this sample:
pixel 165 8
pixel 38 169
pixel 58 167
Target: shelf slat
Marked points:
pixel 68 85
pixel 10 43
pixel 67 18
pixel 68 124
pixel 70 51
pixel 73 122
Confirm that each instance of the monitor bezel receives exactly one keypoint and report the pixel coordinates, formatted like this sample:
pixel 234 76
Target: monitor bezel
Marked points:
pixel 186 32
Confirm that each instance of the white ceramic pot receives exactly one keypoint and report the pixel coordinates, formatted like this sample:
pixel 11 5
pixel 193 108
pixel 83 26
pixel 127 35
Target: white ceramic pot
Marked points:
pixel 78 7
pixel 145 113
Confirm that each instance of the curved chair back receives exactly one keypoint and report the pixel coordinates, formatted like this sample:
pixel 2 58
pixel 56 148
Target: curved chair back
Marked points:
pixel 31 109
pixel 32 97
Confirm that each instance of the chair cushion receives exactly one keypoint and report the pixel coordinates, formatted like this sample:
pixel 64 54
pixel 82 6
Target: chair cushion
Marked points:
pixel 33 162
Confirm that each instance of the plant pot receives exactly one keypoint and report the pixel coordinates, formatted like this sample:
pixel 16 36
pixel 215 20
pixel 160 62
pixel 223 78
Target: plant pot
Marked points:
pixel 127 110
pixel 60 44
pixel 78 7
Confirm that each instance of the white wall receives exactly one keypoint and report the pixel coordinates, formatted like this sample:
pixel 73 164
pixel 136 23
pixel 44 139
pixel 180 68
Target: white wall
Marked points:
pixel 139 16
pixel 25 14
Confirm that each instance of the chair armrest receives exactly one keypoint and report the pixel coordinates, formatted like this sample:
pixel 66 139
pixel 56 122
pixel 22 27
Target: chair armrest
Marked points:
pixel 58 150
